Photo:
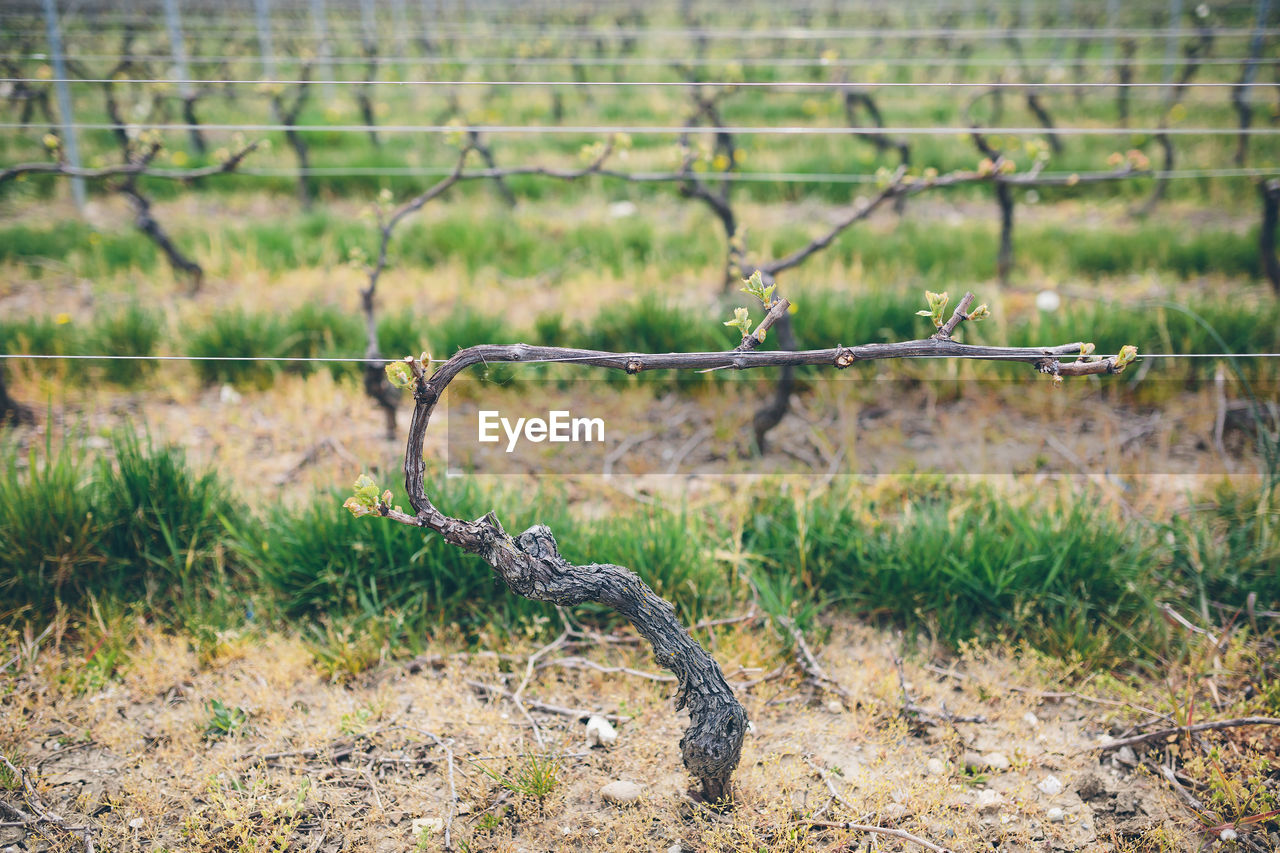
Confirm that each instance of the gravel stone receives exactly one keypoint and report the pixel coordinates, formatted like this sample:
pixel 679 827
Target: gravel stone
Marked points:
pixel 989 802
pixel 1050 786
pixel 429 825
pixel 620 793
pixel 600 732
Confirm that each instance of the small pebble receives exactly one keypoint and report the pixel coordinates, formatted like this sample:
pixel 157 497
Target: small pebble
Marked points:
pixel 972 761
pixel 1228 834
pixel 1050 786
pixel 675 848
pixel 620 793
pixel 1056 815
pixel 936 767
pixel 1126 756
pixel 429 825
pixel 835 707
pixel 1031 719
pixel 137 823
pixel 996 761
pixel 989 801
pixel 600 733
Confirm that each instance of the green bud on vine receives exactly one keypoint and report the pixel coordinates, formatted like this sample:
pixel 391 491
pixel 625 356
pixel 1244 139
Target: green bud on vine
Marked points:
pixel 937 305
pixel 1126 356
pixel 365 497
pixel 741 320
pixel 755 287
pixel 399 374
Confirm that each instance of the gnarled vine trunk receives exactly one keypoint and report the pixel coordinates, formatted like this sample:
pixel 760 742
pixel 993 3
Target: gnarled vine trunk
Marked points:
pixel 531 566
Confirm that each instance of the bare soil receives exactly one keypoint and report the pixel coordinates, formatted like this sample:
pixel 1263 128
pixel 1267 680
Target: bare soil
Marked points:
pixel 322 766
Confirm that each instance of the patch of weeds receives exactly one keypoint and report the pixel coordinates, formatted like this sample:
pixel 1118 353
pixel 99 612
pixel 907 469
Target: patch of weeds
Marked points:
pixel 314 331
pixel 238 335
pixel 235 816
pixel 358 722
pixel 10 781
pixel 107 641
pixel 344 647
pixel 536 777
pixel 1242 794
pixel 1063 577
pixel 133 331
pixel 224 720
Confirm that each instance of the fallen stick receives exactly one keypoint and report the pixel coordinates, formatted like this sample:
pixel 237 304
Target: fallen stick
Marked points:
pixel 863 827
pixel 1214 726
pixel 577 713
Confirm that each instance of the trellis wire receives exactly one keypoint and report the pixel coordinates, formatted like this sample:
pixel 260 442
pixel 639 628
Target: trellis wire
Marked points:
pixel 667 62
pixel 630 84
pixel 742 177
pixel 463 32
pixel 745 130
pixel 293 359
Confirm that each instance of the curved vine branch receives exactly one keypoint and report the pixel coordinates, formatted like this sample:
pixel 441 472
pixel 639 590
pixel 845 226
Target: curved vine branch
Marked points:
pixel 1242 92
pixel 531 565
pixel 375 380
pixel 136 164
pixel 288 113
pixel 855 97
pixel 135 167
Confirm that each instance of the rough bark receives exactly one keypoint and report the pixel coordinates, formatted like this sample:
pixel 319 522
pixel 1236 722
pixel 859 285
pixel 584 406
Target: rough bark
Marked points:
pixel 1046 121
pixel 486 154
pixel 148 225
pixel 771 414
pixel 531 566
pixel 375 378
pixel 1161 183
pixel 706 101
pixel 189 118
pixel 1128 47
pixel 1004 199
pixel 1004 259
pixel 12 413
pixel 855 98
pixel 288 114
pixel 1270 192
pixel 364 94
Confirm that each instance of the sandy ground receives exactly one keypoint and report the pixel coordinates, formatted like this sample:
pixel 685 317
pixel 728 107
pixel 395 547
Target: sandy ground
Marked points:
pixel 320 766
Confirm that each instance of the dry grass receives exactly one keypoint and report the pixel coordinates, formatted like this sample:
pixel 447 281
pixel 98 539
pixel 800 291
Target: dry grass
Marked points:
pixel 324 766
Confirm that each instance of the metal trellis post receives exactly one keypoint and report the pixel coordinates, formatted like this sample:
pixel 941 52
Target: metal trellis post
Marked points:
pixel 262 13
pixel 69 142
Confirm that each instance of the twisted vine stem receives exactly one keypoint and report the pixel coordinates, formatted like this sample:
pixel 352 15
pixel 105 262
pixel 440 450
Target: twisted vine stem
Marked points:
pixel 531 565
